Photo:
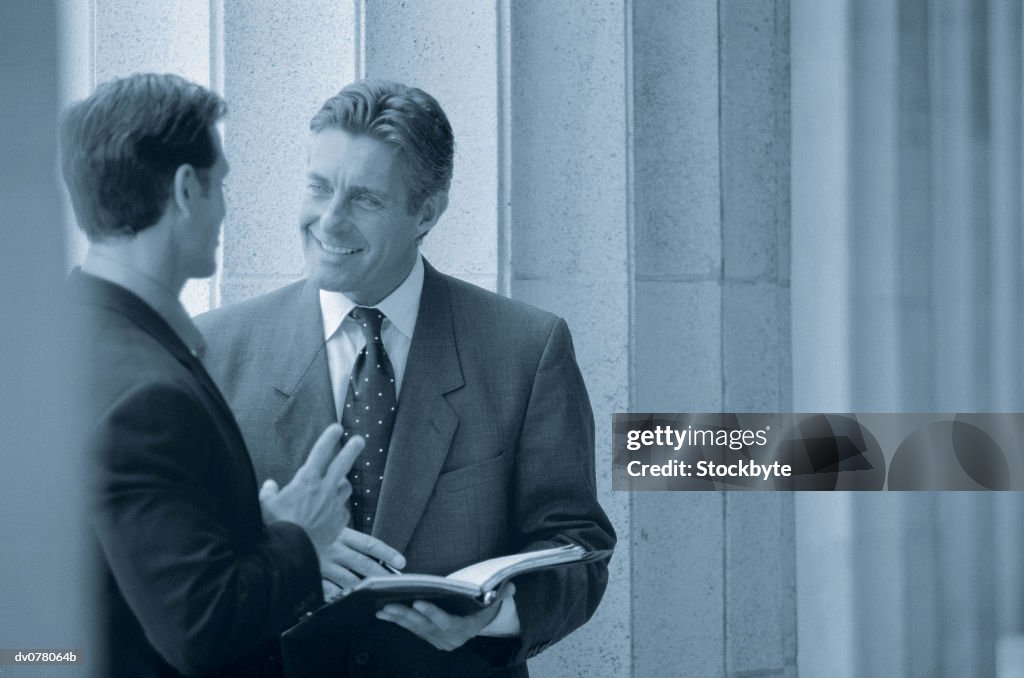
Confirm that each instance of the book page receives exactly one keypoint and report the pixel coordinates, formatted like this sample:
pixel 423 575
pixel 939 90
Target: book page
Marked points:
pixel 487 573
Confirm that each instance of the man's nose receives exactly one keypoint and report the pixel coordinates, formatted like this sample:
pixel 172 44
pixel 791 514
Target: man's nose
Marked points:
pixel 337 216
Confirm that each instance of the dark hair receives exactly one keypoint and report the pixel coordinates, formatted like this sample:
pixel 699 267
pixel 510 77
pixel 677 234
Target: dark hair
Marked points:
pixel 121 146
pixel 405 117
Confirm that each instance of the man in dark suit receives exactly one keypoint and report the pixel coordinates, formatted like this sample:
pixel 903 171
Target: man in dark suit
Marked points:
pixel 191 580
pixel 480 442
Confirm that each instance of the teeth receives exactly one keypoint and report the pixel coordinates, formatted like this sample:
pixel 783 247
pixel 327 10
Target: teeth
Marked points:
pixel 331 249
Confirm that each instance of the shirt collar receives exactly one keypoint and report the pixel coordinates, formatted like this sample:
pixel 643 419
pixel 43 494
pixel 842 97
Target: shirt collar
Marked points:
pixel 401 306
pixel 157 296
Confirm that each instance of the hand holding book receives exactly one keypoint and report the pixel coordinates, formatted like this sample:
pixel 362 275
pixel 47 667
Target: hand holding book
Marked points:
pixel 441 629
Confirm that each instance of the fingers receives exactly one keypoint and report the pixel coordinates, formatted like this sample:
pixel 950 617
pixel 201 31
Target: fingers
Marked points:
pixel 442 630
pixel 330 589
pixel 268 490
pixel 360 553
pixel 372 547
pixel 343 461
pixel 438 617
pixel 416 622
pixel 320 456
pixel 330 569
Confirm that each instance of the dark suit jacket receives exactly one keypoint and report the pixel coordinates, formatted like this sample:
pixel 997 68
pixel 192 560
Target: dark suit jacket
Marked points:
pixel 191 580
pixel 492 451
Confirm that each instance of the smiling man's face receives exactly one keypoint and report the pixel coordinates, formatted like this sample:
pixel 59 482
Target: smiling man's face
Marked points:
pixel 357 233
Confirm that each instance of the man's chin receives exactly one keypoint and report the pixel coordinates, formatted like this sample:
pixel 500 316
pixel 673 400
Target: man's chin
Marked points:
pixel 329 281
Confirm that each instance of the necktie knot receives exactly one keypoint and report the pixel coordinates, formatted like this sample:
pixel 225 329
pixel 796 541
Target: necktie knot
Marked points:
pixel 369 321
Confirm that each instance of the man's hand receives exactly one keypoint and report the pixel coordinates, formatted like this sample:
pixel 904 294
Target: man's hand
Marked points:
pixel 442 630
pixel 355 555
pixel 315 499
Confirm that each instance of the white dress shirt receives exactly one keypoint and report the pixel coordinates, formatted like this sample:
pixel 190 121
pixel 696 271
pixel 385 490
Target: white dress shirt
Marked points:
pixel 345 340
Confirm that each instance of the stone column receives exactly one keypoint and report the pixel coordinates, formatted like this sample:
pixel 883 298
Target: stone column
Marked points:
pixel 821 280
pixel 711 326
pixel 873 237
pixel 1007 243
pixel 569 241
pixel 961 228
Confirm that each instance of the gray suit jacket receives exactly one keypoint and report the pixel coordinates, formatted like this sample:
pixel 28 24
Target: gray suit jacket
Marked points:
pixel 492 451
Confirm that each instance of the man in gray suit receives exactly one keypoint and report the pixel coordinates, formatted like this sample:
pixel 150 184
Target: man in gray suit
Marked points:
pixel 480 435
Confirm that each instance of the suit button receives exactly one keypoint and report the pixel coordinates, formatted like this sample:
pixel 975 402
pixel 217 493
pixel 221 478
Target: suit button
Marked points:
pixel 362 658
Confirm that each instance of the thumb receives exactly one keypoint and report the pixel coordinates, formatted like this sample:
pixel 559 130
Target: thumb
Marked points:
pixel 268 490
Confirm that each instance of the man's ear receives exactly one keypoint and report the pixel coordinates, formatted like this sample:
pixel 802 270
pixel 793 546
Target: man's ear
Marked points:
pixel 186 188
pixel 431 210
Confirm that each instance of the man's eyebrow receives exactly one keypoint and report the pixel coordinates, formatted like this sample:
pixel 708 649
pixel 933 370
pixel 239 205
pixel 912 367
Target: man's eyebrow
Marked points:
pixel 366 189
pixel 315 175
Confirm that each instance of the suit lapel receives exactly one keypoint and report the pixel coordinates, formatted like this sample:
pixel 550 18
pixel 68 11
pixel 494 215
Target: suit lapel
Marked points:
pixel 426 422
pixel 299 371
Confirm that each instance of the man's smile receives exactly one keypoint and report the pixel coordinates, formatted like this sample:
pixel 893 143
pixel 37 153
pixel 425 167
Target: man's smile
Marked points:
pixel 334 249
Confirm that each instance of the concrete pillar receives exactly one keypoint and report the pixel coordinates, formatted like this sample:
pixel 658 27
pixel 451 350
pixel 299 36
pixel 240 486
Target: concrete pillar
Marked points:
pixel 967 576
pixel 878 584
pixel 821 319
pixel 913 560
pixel 44 584
pixel 754 139
pixel 872 207
pixel 712 325
pixel 569 246
pixel 1008 512
pixel 961 226
pixel 163 37
pixel 824 577
pixel 278 66
pixel 912 230
pixel 821 266
pixel 1007 281
pixel 760 585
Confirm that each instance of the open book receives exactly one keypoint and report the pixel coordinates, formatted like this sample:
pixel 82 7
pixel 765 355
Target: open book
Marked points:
pixel 316 645
pixel 469 589
pixel 462 592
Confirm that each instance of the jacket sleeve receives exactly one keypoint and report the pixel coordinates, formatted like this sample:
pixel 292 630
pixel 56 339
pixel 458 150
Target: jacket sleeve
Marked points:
pixel 556 499
pixel 206 580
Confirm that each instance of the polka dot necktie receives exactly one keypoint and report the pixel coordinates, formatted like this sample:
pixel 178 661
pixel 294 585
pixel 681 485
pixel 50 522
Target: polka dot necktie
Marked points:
pixel 369 411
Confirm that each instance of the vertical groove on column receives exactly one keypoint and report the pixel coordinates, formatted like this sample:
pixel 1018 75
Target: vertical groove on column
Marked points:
pixel 1009 556
pixel 979 148
pixel 359 51
pixel 873 201
pixel 92 45
pixel 503 25
pixel 217 85
pixel 631 370
pixel 914 214
pixel 953 283
pixel 721 234
pixel 1004 59
pixel 966 571
pixel 724 582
